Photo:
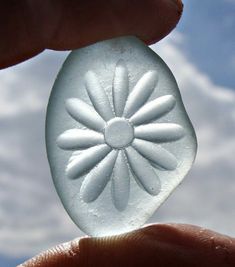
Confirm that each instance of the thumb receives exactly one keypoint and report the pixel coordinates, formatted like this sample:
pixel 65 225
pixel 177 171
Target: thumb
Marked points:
pixel 155 245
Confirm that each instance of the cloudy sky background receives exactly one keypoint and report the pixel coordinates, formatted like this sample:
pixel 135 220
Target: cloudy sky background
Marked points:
pixel 200 52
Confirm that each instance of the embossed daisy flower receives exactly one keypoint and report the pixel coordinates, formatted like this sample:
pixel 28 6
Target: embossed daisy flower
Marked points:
pixel 121 139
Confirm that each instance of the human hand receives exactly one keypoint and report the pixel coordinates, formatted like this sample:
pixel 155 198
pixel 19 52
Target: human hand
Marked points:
pixel 28 27
pixel 159 245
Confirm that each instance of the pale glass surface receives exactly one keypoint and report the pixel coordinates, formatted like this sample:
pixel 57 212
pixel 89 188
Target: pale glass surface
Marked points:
pixel 118 137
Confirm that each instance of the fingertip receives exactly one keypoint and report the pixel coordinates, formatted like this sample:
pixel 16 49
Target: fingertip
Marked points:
pixel 154 245
pixel 68 25
pixel 175 8
pixel 63 255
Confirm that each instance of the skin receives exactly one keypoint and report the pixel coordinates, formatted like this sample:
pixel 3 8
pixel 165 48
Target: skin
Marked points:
pixel 28 27
pixel 161 245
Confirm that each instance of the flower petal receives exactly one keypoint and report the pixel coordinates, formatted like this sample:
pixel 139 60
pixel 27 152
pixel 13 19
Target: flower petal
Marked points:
pixel 159 132
pixel 95 181
pixel 155 153
pixel 120 182
pixel 86 161
pixel 153 110
pixel 74 139
pixel 85 114
pixel 74 155
pixel 98 96
pixel 120 87
pixel 140 93
pixel 143 171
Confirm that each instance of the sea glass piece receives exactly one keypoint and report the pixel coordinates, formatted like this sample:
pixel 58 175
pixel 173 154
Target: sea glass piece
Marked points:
pixel 118 138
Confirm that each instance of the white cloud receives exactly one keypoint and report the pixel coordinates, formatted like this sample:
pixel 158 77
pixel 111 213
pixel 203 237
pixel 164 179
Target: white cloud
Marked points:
pixel 31 216
pixel 16 94
pixel 206 195
pixel 211 107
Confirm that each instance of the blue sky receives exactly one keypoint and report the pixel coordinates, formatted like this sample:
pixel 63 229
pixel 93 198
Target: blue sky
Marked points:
pixel 6 261
pixel 210 40
pixel 201 54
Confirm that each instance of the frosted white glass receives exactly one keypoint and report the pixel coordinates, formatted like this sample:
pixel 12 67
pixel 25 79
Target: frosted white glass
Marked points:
pixel 118 138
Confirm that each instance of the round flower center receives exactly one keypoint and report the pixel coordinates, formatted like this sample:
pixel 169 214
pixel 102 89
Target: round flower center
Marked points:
pixel 118 133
